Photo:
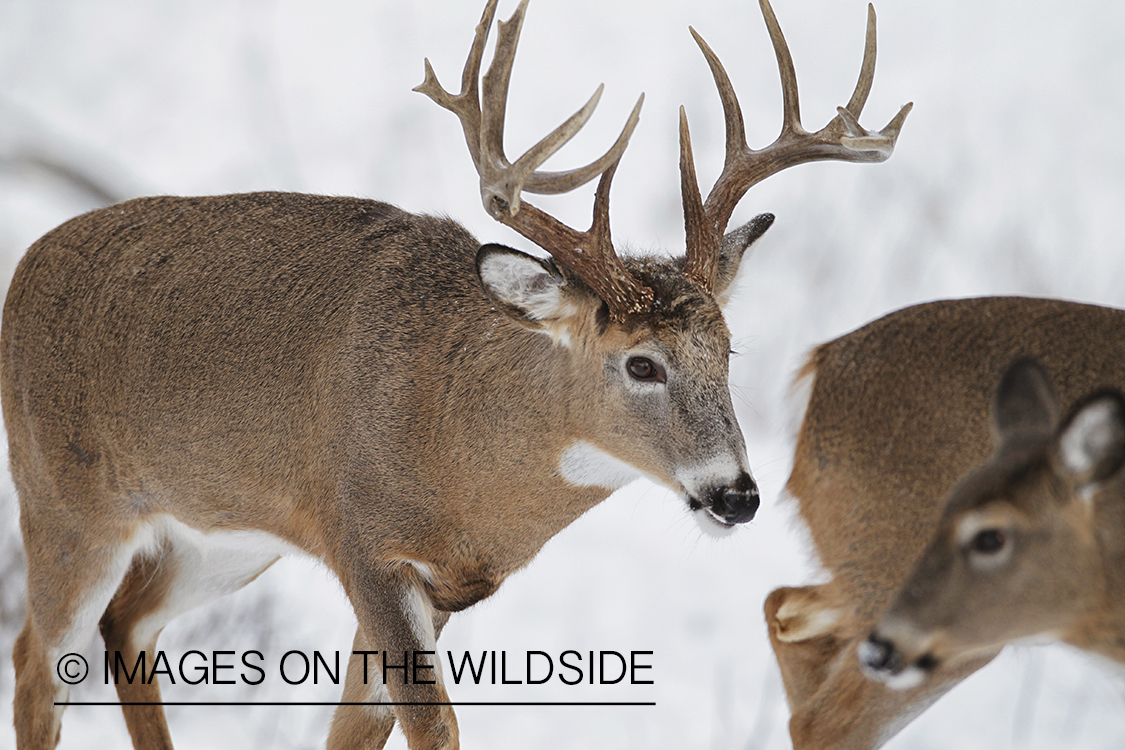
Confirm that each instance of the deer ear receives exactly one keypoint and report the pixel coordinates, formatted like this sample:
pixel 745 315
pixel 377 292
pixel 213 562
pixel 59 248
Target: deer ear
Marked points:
pixel 1090 446
pixel 528 289
pixel 1025 405
pixel 733 251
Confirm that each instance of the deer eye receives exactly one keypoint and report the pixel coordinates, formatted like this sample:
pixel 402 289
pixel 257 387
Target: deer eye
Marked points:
pixel 989 548
pixel 988 542
pixel 645 370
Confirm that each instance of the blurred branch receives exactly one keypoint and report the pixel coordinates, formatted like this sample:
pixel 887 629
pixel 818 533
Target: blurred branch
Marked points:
pixel 75 176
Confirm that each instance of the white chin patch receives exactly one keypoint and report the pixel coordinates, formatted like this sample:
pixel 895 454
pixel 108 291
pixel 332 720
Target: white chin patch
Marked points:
pixel 911 677
pixel 711 525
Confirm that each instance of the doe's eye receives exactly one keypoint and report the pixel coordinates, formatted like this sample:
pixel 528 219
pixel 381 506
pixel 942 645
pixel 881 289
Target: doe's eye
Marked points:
pixel 988 541
pixel 645 370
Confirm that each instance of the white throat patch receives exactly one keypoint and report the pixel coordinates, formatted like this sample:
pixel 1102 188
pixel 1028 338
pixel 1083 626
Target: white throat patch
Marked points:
pixel 583 464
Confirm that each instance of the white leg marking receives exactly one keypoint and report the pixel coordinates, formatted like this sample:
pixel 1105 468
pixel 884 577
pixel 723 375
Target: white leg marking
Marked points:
pixel 420 612
pixel 802 621
pixel 84 622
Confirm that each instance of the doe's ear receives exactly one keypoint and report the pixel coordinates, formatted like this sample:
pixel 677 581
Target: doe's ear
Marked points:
pixel 1090 446
pixel 733 251
pixel 1025 405
pixel 528 289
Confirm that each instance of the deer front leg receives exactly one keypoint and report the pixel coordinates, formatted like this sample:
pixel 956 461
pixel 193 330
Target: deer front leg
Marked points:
pixel 396 625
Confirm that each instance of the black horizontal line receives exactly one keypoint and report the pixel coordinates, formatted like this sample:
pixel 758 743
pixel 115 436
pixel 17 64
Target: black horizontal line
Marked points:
pixel 358 703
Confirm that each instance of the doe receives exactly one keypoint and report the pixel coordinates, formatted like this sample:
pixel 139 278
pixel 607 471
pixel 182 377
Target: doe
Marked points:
pixel 897 412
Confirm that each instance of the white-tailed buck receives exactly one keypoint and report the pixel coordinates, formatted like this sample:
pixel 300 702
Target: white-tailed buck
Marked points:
pixel 897 413
pixel 195 386
pixel 1031 544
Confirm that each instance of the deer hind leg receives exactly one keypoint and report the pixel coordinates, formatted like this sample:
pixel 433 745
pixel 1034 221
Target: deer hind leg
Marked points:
pixel 186 569
pixel 832 703
pixel 72 573
pixel 807 630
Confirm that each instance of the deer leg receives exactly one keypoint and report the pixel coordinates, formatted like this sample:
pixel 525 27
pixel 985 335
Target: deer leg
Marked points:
pixel 72 574
pixel 805 629
pixel 396 620
pixel 365 727
pixel 144 587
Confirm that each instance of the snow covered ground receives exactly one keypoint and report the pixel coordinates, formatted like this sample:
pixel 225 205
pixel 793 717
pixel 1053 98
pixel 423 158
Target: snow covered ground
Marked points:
pixel 1007 179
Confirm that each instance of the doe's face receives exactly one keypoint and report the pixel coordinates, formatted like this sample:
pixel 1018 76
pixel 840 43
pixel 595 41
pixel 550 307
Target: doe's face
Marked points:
pixel 1008 563
pixel 1016 554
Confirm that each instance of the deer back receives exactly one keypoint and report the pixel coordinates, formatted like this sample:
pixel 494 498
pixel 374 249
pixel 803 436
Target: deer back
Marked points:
pixel 236 350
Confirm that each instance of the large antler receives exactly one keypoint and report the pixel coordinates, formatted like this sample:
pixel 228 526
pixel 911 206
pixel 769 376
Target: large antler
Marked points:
pixel 842 139
pixel 588 254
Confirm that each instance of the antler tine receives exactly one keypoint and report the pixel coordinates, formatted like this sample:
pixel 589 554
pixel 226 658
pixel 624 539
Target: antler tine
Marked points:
pixel 588 254
pixel 700 265
pixel 843 139
pixel 866 70
pixel 791 106
pixel 732 111
pixel 465 105
pixel 501 189
pixel 562 182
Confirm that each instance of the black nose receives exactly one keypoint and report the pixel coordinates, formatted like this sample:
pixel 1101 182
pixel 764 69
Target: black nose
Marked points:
pixel 880 655
pixel 736 503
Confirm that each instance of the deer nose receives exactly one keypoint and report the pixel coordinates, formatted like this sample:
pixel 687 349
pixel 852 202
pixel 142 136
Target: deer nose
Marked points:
pixel 736 503
pixel 880 655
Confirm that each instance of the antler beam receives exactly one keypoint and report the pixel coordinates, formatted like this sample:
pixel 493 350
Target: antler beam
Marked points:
pixel 588 254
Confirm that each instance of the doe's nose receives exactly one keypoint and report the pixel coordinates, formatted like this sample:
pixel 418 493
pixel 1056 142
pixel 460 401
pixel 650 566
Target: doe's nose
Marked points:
pixel 880 655
pixel 736 503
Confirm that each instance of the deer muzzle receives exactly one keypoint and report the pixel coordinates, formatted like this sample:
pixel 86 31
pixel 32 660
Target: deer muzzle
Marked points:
pixel 880 658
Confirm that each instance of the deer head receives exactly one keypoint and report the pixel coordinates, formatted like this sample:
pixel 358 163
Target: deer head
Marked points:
pixel 653 326
pixel 1023 542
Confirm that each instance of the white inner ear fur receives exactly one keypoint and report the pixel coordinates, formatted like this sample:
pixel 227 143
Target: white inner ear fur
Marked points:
pixel 1089 436
pixel 522 283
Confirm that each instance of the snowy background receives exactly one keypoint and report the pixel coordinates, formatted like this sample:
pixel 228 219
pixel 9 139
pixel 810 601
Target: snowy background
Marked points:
pixel 1007 179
